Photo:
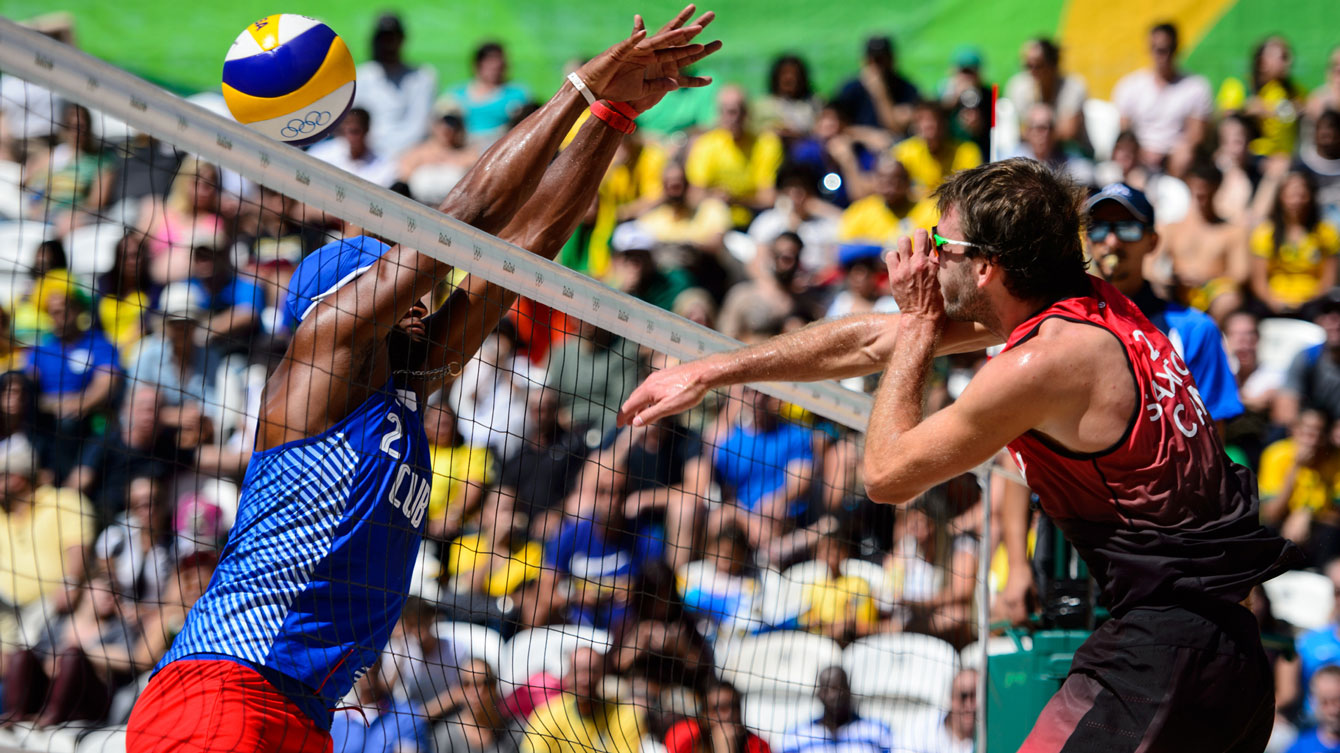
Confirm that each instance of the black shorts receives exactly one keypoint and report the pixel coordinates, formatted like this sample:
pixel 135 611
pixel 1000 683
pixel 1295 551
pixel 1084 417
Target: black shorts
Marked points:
pixel 1166 679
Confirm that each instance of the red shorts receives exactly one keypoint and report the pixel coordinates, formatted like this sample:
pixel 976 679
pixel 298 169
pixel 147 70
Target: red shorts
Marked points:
pixel 208 705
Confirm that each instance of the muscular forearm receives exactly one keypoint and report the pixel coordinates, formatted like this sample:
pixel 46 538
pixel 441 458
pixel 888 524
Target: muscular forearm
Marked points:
pixel 898 403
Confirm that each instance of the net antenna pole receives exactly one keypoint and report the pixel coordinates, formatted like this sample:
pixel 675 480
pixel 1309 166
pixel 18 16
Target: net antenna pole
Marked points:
pixel 288 170
pixel 994 140
pixel 984 475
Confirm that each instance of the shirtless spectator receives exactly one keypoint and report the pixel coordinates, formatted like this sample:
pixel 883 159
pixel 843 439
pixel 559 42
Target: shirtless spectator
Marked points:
pixel 1166 107
pixel 1209 255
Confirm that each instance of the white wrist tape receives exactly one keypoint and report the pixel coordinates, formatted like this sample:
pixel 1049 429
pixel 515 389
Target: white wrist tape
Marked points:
pixel 582 87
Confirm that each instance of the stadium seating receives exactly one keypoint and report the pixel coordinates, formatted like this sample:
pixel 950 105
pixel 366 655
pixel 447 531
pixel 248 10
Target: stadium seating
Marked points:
pixel 91 249
pixel 772 715
pixel 782 663
pixel 11 196
pixel 544 649
pixel 477 641
pixel 19 242
pixel 1281 339
pixel 1102 120
pixel 904 666
pixel 1305 600
pixel 1007 126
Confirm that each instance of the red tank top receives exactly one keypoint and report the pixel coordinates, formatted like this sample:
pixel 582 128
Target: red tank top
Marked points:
pixel 1162 516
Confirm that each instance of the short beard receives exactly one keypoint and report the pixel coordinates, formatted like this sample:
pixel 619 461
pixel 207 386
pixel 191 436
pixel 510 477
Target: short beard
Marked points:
pixel 404 352
pixel 971 306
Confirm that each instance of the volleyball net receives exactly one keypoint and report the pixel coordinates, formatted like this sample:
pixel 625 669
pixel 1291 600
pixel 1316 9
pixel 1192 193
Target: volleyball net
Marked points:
pixel 146 246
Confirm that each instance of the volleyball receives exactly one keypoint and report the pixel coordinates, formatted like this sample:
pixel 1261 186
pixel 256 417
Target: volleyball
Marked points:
pixel 290 77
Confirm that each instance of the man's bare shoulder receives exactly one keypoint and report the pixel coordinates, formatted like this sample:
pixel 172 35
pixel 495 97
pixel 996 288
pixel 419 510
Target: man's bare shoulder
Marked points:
pixel 1064 348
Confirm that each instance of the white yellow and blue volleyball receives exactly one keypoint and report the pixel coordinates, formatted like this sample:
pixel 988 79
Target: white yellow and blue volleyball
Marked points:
pixel 290 77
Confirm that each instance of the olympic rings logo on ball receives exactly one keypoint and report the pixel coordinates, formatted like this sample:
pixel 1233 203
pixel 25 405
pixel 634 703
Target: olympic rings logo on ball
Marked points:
pixel 303 126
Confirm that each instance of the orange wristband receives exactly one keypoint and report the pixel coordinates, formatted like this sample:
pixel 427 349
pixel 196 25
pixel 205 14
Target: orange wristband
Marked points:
pixel 613 118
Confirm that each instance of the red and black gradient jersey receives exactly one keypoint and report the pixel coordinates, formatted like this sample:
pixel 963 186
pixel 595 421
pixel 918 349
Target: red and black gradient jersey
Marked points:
pixel 1162 517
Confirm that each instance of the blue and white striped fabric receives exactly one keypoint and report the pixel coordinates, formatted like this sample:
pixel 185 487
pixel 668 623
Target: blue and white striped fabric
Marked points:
pixel 316 569
pixel 858 736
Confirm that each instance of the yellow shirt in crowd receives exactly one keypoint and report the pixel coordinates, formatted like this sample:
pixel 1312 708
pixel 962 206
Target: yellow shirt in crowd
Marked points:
pixel 709 220
pixel 870 219
pixel 559 727
pixel 717 161
pixel 1293 271
pixel 122 320
pixel 33 543
pixel 473 551
pixel 452 468
pixel 927 170
pixel 830 601
pixel 1313 488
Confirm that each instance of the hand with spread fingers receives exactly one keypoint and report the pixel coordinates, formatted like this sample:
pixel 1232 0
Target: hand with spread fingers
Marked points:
pixel 914 277
pixel 643 66
pixel 673 69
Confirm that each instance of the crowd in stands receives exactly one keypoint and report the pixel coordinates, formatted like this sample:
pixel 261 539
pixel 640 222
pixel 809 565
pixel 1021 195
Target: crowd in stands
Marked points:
pixel 128 393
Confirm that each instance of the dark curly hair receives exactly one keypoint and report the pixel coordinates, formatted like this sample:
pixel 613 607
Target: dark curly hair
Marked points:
pixel 1027 218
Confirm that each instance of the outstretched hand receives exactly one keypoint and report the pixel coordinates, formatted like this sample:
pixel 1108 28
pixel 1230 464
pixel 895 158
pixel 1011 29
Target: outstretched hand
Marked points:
pixel 642 67
pixel 664 393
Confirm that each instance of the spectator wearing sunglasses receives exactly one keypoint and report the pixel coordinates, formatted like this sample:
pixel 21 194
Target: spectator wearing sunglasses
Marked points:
pixel 1119 236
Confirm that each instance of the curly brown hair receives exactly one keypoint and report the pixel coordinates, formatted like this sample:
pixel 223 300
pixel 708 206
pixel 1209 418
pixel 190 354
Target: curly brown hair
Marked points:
pixel 1027 218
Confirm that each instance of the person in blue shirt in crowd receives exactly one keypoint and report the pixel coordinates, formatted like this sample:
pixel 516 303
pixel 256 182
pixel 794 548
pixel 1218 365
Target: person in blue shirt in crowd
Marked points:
pixel 1325 737
pixel 78 376
pixel 839 729
pixel 488 101
pixel 233 302
pixel 767 464
pixel 1321 647
pixel 1119 236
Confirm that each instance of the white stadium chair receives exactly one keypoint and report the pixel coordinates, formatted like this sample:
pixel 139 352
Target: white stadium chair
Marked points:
pixel 1171 199
pixel 806 573
pixel 110 129
pixel 545 649
pixel 11 196
pixel 971 655
pixel 898 714
pixel 477 641
pixel 781 598
pixel 91 249
pixel 904 666
pixel 1102 121
pixel 19 242
pixel 1282 339
pixel 1306 600
pixel 786 662
pixel 1007 127
pixel 770 716
pixel 105 740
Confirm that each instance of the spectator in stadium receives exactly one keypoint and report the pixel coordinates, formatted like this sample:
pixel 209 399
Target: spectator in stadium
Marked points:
pixel 583 717
pixel 232 301
pixel 798 209
pixel 839 606
pixel 864 290
pixel 419 666
pixel 1120 236
pixel 1294 252
pixel 1321 647
pixel 776 291
pixel 879 96
pixel 766 466
pixel 432 167
pixel 790 107
pixel 840 155
pixel 888 212
pixel 684 215
pixel 723 587
pixel 839 729
pixel 191 215
pixel 78 374
pixel 1313 378
pixel 378 722
pixel 1258 385
pixel 1325 736
pixel 397 95
pixel 1327 96
pixel 934 569
pixel 46 530
pixel 18 404
pixel 657 641
pixel 1299 482
pixel 1207 255
pixel 933 154
pixel 1241 199
pixel 636 270
pixel 71 182
pixel 1043 82
pixel 13 356
pixel 734 162
pixel 481 725
pixel 967 99
pixel 1042 143
pixel 1275 99
pixel 137 548
pixel 1320 160
pixel 545 468
pixel 488 100
pixel 171 358
pixel 593 371
pixel 934 731
pixel 125 292
pixel 495 560
pixel 660 463
pixel 461 473
pixel 50 273
pixel 489 397
pixel 1167 108
pixel 718 727
pixel 351 152
pixel 1124 164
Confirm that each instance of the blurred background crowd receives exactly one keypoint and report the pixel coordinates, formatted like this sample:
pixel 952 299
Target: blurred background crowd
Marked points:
pixel 681 586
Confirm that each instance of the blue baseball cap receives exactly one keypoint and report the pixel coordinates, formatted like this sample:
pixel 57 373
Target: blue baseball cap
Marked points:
pixel 1133 199
pixel 851 253
pixel 328 269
